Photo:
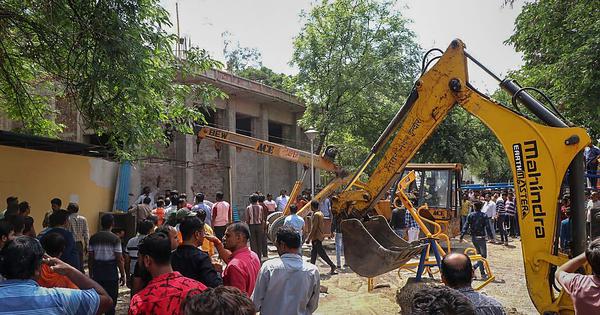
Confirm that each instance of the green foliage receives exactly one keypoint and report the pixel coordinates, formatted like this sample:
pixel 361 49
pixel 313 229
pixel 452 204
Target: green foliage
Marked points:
pixel 266 76
pixel 462 138
pixel 560 42
pixel 246 62
pixel 357 60
pixel 238 58
pixel 111 60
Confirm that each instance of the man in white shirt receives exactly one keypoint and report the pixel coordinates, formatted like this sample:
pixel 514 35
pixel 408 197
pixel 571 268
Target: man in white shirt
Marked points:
pixel 287 285
pixel 489 208
pixel 271 204
pixel 202 205
pixel 146 193
pixel 282 200
pixel 593 203
pixel 295 221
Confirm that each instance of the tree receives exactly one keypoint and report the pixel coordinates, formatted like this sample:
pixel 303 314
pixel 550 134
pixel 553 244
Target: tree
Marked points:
pixel 266 76
pixel 111 60
pixel 560 42
pixel 357 60
pixel 463 138
pixel 238 58
pixel 246 62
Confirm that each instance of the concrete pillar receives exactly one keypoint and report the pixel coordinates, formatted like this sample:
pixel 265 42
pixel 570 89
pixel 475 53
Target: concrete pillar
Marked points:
pixel 184 155
pixel 261 131
pixel 295 134
pixel 230 155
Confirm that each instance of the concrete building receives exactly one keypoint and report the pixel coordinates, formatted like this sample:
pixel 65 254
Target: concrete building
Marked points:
pixel 252 109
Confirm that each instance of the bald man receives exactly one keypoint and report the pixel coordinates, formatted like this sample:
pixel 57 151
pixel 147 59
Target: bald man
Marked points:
pixel 457 273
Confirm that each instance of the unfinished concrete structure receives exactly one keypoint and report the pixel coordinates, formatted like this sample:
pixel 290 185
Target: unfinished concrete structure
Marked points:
pixel 252 109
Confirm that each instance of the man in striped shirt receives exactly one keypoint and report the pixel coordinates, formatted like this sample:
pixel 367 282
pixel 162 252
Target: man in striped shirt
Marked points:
pixel 256 222
pixel 512 214
pixel 105 256
pixel 502 218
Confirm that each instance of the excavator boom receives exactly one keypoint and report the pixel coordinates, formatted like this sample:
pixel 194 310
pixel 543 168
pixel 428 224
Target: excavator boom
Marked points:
pixel 539 156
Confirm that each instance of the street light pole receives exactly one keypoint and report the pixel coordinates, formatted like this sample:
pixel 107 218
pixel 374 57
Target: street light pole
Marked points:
pixel 311 134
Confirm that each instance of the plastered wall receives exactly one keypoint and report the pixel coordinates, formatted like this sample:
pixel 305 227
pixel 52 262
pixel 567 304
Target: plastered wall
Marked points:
pixel 38 176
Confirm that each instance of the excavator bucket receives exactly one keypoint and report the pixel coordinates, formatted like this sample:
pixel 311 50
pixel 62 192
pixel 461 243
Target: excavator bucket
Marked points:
pixel 372 248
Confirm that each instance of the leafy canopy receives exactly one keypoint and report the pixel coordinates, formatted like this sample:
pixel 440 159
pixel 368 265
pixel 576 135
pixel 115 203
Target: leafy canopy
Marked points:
pixel 357 60
pixel 560 42
pixel 246 62
pixel 111 60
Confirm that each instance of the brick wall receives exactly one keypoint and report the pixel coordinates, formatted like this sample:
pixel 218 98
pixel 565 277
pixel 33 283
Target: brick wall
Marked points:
pixel 210 170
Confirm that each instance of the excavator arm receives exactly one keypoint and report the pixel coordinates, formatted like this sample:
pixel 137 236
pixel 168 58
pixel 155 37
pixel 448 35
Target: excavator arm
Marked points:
pixel 539 156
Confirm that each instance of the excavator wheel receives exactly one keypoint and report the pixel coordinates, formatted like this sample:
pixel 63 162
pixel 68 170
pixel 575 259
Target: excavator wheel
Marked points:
pixel 275 221
pixel 372 248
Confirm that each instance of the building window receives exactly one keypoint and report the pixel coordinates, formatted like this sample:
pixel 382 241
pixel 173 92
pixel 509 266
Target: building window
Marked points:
pixel 243 125
pixel 275 132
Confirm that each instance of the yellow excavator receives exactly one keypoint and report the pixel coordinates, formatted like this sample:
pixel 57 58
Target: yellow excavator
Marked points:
pixel 540 146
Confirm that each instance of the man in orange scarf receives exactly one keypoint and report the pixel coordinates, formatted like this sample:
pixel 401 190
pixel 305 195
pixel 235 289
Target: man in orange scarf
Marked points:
pixel 54 245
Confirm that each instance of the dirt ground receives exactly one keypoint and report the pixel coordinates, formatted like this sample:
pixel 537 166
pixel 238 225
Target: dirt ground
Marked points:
pixel 347 292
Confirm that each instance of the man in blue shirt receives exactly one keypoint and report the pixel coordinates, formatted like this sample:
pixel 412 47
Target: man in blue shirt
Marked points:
pixel 592 153
pixel 21 294
pixel 287 285
pixel 58 221
pixel 325 207
pixel 457 273
pixel 200 205
pixel 295 221
pixel 565 233
pixel 477 224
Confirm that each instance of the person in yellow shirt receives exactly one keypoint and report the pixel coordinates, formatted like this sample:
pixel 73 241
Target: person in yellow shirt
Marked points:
pixel 465 209
pixel 207 245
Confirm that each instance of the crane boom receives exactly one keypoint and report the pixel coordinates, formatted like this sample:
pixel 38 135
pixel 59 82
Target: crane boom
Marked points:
pixel 324 162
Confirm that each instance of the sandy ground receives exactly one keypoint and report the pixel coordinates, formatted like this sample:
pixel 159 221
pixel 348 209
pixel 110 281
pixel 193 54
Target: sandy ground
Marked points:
pixel 348 294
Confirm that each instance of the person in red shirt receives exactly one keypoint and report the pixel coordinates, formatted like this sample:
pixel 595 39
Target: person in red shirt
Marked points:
pixel 160 212
pixel 583 289
pixel 167 289
pixel 243 264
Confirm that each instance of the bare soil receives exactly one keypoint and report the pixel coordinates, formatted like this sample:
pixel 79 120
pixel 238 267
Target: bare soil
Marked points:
pixel 347 292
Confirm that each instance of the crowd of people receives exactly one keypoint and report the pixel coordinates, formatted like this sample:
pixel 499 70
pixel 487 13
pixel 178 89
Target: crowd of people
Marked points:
pixel 192 258
pixel 184 259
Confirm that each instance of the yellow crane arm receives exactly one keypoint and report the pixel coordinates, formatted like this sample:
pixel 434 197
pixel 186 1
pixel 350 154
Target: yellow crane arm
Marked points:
pixel 324 162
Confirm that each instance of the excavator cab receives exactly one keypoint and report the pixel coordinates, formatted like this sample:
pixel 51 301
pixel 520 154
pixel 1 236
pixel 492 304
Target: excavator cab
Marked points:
pixel 438 186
